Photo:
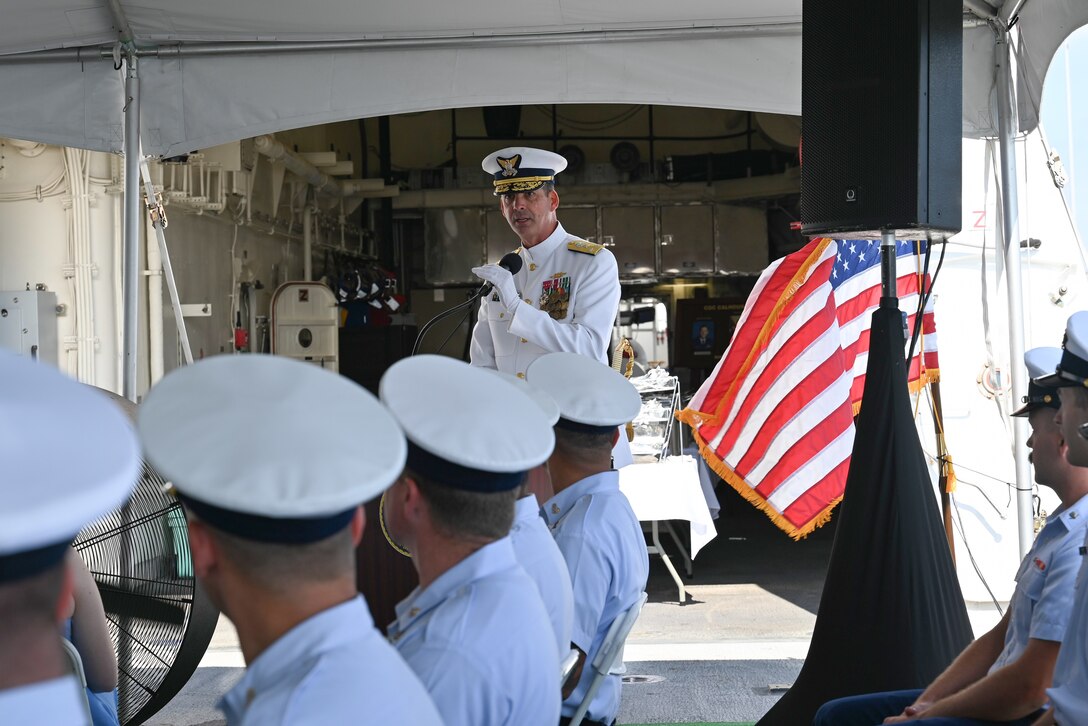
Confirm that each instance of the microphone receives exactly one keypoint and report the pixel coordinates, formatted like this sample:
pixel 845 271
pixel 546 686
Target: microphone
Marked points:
pixel 510 261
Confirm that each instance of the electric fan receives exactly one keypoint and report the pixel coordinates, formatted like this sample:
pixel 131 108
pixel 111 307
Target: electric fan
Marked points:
pixel 160 619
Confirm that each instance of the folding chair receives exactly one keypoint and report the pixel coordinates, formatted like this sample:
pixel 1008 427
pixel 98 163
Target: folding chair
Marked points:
pixel 75 663
pixel 566 667
pixel 610 656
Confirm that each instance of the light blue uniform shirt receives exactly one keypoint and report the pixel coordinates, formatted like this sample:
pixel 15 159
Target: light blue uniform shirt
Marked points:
pixel 602 542
pixel 480 640
pixel 56 701
pixel 332 668
pixel 1069 696
pixel 1043 599
pixel 541 559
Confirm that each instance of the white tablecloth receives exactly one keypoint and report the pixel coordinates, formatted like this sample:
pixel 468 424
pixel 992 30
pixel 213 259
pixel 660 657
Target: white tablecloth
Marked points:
pixel 670 489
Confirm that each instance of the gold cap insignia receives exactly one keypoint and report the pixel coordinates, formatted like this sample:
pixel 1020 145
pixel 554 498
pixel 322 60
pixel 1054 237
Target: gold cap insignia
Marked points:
pixel 509 166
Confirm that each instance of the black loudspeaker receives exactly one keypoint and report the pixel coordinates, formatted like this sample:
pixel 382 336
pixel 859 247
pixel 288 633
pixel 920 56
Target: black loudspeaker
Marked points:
pixel 881 103
pixel 502 122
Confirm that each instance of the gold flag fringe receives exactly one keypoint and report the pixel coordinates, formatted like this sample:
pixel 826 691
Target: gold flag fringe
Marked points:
pixel 737 482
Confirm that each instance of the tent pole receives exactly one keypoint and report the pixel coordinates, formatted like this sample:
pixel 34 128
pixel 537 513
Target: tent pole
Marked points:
pixel 1010 233
pixel 130 261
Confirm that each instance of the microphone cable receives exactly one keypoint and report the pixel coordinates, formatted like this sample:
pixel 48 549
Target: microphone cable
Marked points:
pixel 442 316
pixel 510 261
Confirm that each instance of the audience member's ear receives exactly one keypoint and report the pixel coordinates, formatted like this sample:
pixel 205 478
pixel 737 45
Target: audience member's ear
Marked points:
pixel 358 525
pixel 66 599
pixel 203 548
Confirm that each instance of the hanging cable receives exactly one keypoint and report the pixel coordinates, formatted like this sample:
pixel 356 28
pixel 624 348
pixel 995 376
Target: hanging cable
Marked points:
pixel 457 327
pixel 970 555
pixel 923 299
pixel 442 316
pixel 1009 484
pixel 594 125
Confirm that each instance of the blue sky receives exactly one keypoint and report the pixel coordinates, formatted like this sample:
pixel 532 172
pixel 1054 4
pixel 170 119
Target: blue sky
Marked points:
pixel 1065 119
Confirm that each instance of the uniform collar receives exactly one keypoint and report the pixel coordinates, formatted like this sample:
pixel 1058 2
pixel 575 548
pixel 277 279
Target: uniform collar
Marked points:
pixel 540 252
pixel 560 505
pixel 484 562
pixel 1071 517
pixel 319 633
pixel 526 510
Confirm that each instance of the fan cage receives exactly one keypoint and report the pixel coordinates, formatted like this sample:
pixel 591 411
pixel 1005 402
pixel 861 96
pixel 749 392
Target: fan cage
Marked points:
pixel 158 617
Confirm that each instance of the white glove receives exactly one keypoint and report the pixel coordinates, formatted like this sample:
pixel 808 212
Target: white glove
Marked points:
pixel 503 283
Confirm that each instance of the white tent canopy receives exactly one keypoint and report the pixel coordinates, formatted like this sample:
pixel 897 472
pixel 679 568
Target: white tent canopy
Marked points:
pixel 351 61
pixel 408 56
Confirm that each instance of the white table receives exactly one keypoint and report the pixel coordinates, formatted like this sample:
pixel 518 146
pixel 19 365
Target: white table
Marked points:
pixel 665 490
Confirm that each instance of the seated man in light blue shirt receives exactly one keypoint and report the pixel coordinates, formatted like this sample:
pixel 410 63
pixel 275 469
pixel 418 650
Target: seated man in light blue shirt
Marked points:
pixel 534 545
pixel 475 630
pixel 1069 694
pixel 1002 677
pixel 538 554
pixel 272 459
pixel 590 517
pixel 46 498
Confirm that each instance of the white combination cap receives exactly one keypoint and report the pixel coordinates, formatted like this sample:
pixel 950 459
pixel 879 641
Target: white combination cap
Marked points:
pixel 588 392
pixel 269 448
pixel 522 168
pixel 1041 362
pixel 69 456
pixel 467 428
pixel 1072 369
pixel 547 404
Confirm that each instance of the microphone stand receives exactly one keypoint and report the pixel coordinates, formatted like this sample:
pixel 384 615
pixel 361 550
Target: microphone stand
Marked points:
pixel 445 314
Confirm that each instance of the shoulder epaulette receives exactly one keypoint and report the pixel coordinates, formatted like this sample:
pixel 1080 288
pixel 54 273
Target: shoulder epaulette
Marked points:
pixel 583 246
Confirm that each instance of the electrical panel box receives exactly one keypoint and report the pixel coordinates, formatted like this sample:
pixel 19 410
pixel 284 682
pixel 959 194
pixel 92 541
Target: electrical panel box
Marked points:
pixel 454 243
pixel 687 239
pixel 629 233
pixel 306 324
pixel 28 324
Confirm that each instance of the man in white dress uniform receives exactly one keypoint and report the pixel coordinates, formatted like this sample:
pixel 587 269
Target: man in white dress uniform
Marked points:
pixel 566 295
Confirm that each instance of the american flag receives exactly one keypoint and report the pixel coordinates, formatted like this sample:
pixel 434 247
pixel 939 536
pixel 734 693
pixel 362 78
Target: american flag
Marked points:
pixel 775 419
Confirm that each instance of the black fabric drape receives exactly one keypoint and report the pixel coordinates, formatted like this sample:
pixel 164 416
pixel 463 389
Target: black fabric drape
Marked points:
pixel 892 615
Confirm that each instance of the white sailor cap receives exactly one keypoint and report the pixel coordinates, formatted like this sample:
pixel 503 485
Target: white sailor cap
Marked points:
pixel 522 168
pixel 268 448
pixel 1041 362
pixel 591 396
pixel 69 456
pixel 450 412
pixel 547 404
pixel 1072 369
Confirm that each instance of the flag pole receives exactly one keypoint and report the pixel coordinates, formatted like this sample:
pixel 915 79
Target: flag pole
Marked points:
pixel 888 287
pixel 944 466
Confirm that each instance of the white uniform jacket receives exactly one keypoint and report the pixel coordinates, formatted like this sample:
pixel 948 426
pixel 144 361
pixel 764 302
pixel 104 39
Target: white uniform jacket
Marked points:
pixel 570 291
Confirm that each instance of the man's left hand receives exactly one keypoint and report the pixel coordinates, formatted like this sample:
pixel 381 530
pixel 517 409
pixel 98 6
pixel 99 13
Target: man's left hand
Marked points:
pixel 503 282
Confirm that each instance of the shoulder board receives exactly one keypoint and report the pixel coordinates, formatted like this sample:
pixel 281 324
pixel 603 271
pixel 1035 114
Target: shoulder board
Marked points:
pixel 586 248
